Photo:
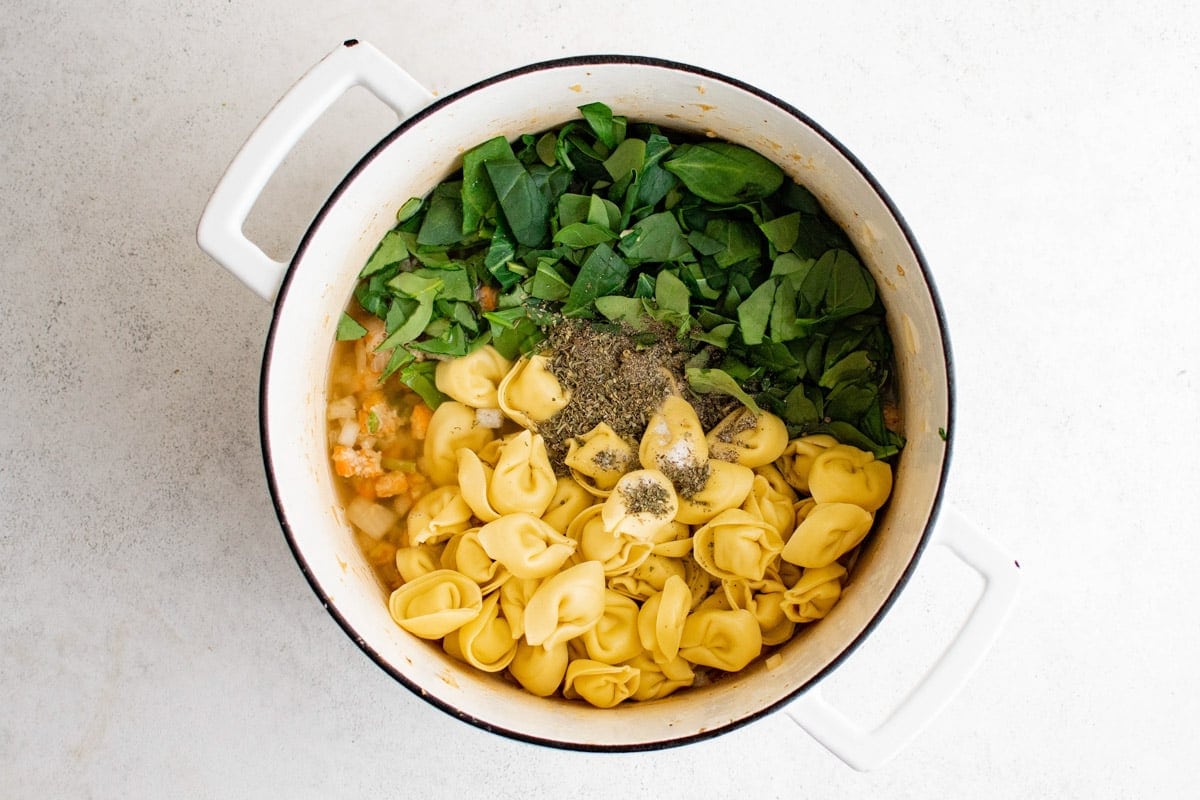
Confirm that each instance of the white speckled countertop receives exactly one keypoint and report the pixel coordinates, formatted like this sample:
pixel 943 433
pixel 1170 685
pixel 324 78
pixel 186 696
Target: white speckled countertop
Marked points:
pixel 156 637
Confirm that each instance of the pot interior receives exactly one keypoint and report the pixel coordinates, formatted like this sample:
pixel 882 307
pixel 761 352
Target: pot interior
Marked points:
pixel 409 163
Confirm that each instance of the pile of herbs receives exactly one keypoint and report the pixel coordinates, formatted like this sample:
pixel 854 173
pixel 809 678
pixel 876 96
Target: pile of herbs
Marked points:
pixel 624 223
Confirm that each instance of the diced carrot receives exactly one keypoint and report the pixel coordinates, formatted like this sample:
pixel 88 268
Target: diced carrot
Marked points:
pixel 365 489
pixel 487 297
pixel 421 414
pixel 391 484
pixel 343 461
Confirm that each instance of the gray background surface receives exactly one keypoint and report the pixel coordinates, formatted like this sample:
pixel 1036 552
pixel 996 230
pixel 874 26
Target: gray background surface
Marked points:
pixel 156 637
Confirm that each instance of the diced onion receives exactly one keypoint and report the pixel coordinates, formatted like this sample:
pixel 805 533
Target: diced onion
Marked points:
pixel 344 408
pixel 349 433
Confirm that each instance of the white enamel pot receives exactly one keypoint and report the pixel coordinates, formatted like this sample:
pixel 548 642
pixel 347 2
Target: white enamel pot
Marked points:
pixel 311 291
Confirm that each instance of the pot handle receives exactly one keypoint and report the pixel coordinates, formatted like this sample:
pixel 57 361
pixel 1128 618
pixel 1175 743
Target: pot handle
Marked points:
pixel 866 750
pixel 220 234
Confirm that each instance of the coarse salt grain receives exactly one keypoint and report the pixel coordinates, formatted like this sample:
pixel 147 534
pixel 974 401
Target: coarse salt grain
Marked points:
pixel 489 417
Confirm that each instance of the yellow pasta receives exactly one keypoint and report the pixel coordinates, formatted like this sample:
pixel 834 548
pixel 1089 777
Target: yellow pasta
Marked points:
pixel 752 439
pixel 827 533
pixel 599 458
pixel 614 637
pixel 525 546
pixel 437 516
pixel 616 554
pixel 772 506
pixel 486 642
pixel 798 456
pixel 815 594
pixel 726 486
pixel 766 606
pixel 602 685
pixel 845 474
pixel 452 426
pixel 637 567
pixel 435 604
pixel 474 478
pixel 540 670
pixel 648 577
pixel 465 554
pixel 659 680
pixel 674 440
pixel 530 393
pixel 726 640
pixel 413 562
pixel 568 501
pixel 642 503
pixel 472 379
pixel 514 596
pixel 661 618
pixel 523 480
pixel 736 544
pixel 565 605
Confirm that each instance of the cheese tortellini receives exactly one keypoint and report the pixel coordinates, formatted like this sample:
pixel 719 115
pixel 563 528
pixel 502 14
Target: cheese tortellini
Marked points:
pixel 599 458
pixel 752 439
pixel 632 567
pixel 523 479
pixel 845 474
pixel 452 426
pixel 530 393
pixel 473 379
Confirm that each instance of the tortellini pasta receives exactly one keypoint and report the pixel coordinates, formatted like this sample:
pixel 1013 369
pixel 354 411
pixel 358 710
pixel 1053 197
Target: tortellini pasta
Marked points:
pixel 413 562
pixel 659 680
pixel 565 605
pixel 465 554
pixel 726 640
pixel 437 516
pixel 845 474
pixel 752 439
pixel 674 440
pixel 472 379
pixel 514 596
pixel 614 637
pixel 635 565
pixel 474 478
pixel 530 393
pixel 540 670
pixel 649 577
pixel 525 546
pixel 772 506
pixel 616 554
pixel 766 606
pixel 661 618
pixel 599 458
pixel 736 544
pixel 523 480
pixel 827 533
pixel 486 641
pixel 568 501
pixel 436 603
pixel 452 426
pixel 642 503
pixel 798 456
pixel 725 487
pixel 814 595
pixel 602 685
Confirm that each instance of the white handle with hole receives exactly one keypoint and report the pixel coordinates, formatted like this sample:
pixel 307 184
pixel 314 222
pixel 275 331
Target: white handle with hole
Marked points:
pixel 868 749
pixel 220 231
